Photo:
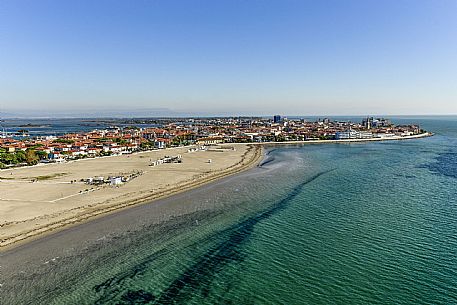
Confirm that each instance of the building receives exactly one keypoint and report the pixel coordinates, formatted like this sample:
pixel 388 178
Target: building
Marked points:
pixel 371 122
pixel 381 122
pixel 277 119
pixel 353 134
pixel 210 141
pixel 115 180
pixel 367 123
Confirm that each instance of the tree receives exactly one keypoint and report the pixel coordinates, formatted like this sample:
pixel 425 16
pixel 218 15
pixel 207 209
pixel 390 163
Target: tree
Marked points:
pixel 65 141
pixel 147 145
pixel 120 141
pixel 41 154
pixel 30 157
pixel 280 138
pixel 19 156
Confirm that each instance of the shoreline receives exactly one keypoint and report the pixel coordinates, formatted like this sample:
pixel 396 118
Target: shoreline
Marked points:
pixel 422 135
pixel 240 166
pixel 33 234
pixel 394 138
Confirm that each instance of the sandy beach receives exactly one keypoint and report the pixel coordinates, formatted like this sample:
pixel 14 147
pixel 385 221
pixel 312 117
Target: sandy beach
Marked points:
pixel 41 199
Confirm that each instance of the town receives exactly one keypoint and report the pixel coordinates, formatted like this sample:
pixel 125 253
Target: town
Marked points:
pixel 17 150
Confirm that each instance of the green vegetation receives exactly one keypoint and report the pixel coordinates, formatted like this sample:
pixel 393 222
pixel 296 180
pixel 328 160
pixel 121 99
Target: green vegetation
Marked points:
pixel 64 141
pixel 120 141
pixel 47 177
pixel 29 157
pixel 147 145
pixel 132 128
pixel 7 158
pixel 42 154
pixel 36 146
pixel 328 137
pixel 241 140
pixel 280 138
pixel 115 140
pixel 106 153
pixel 292 137
pixel 180 140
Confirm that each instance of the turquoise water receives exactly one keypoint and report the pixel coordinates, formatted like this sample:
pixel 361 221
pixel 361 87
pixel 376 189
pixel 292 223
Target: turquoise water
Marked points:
pixel 372 223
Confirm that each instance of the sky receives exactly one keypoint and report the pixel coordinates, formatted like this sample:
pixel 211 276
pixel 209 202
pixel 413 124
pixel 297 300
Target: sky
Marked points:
pixel 291 57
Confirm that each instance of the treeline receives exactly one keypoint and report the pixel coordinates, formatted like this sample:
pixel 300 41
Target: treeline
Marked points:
pixel 29 157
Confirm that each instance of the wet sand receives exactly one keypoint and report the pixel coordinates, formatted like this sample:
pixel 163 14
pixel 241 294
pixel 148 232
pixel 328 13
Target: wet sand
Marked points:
pixel 52 202
pixel 61 259
pixel 31 209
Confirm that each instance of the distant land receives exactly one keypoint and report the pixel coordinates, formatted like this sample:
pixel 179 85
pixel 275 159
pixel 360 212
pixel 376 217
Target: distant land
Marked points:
pixel 47 113
pixel 122 113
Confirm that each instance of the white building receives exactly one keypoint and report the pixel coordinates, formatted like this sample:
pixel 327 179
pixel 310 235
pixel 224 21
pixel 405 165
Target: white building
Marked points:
pixel 353 134
pixel 115 180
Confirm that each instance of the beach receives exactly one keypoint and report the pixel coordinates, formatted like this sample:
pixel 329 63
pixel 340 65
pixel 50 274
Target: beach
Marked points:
pixel 309 218
pixel 41 199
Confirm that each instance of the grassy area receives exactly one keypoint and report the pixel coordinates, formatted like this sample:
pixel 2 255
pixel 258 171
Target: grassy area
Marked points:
pixel 48 177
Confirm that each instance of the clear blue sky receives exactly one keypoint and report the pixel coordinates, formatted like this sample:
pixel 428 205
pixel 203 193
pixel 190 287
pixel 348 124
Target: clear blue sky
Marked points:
pixel 228 57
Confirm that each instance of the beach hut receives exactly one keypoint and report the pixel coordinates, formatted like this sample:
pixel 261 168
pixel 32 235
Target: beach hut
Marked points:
pixel 115 180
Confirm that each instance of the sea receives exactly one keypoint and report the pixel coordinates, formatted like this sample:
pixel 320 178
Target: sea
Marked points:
pixel 41 127
pixel 354 223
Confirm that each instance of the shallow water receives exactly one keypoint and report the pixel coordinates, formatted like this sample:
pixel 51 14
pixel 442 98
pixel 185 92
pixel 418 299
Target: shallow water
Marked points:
pixel 371 223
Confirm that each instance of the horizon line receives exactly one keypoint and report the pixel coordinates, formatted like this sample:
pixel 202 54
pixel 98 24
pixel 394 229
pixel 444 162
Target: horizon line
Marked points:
pixel 219 116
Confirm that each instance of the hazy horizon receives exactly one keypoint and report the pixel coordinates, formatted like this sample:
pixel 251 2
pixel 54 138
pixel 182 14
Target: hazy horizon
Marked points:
pixel 167 113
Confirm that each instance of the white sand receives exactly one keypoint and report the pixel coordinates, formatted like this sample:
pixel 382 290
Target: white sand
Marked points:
pixel 29 208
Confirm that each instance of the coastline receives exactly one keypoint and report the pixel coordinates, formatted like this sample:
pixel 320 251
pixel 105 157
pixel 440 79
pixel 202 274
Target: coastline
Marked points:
pixel 249 159
pixel 422 135
pixel 150 246
pixel 342 141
